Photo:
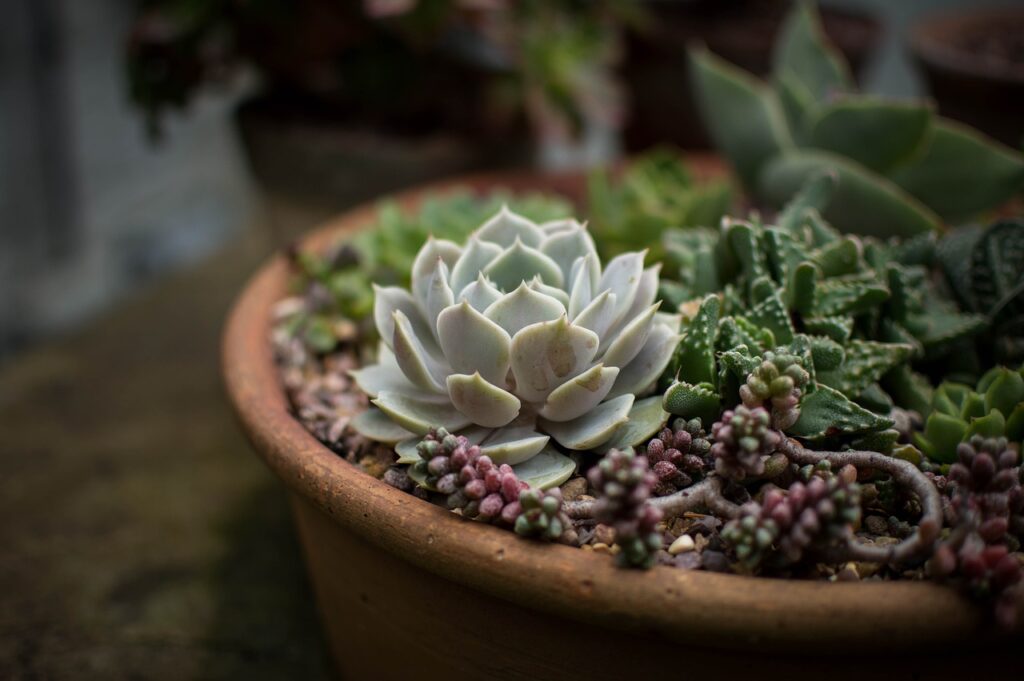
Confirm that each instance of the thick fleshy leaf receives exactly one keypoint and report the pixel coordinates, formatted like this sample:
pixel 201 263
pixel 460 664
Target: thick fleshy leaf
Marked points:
pixel 558 294
pixel 387 299
pixel 599 315
pixel 803 51
pixel 439 296
pixel 473 343
pixel 514 444
pixel 481 294
pixel 432 252
pixel 962 172
pixel 546 354
pixel 741 113
pixel 593 428
pixel 505 227
pixel 627 342
pixel 640 374
pixel 415 361
pixel 646 293
pixel 552 227
pixel 565 246
pixel 580 394
pixel 523 307
pixel 484 403
pixel 519 263
pixel 419 416
pixel 646 418
pixel 586 275
pixel 375 378
pixel 375 425
pixel 622 277
pixel 406 450
pixel 863 203
pixel 475 257
pixel 878 134
pixel 547 469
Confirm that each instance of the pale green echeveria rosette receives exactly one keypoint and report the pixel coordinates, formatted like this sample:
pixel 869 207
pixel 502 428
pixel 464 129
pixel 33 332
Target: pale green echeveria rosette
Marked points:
pixel 516 339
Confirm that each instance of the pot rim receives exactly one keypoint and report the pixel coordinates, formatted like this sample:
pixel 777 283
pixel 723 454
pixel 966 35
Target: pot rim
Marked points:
pixel 698 608
pixel 931 42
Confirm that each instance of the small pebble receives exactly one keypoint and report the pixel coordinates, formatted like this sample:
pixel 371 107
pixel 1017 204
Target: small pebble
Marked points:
pixel 604 534
pixel 601 547
pixel 683 544
pixel 574 488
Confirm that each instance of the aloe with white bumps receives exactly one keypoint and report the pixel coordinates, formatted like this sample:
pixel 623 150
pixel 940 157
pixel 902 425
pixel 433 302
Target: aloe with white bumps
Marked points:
pixel 517 338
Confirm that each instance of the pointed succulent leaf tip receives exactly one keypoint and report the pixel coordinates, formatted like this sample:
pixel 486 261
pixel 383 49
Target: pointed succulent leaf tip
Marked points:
pixel 377 377
pixel 477 255
pixel 514 444
pixel 419 416
pixel 565 246
pixel 546 354
pixel 439 295
pixel 631 339
pixel 593 428
pixel 622 277
pixel 646 293
pixel 432 252
pixel 413 358
pixel 506 226
pixel 538 285
pixel 388 299
pixel 579 395
pixel 473 343
pixel 523 307
pixel 552 227
pixel 584 279
pixel 520 263
pixel 481 294
pixel 599 315
pixel 639 376
pixel 485 404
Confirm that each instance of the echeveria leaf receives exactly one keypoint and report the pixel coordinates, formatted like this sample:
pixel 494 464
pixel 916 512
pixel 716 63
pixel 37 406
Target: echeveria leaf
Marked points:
pixel 513 445
pixel 547 469
pixel 520 263
pixel 523 307
pixel 640 374
pixel 484 403
pixel 593 428
pixel 473 343
pixel 375 425
pixel 419 416
pixel 579 394
pixel 646 417
pixel 546 354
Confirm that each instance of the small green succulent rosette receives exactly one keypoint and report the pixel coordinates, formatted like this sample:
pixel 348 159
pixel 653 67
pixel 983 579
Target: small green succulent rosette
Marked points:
pixel 518 340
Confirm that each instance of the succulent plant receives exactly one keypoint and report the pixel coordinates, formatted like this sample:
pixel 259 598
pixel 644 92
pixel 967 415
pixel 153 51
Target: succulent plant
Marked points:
pixel 807 515
pixel 985 271
pixel 677 455
pixel 902 169
pixel 540 516
pixel 518 338
pixel 744 438
pixel 994 408
pixel 776 385
pixel 623 483
pixel 987 480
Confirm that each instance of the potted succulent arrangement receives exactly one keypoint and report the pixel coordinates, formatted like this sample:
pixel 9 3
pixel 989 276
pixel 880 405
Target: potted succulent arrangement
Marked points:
pixel 808 440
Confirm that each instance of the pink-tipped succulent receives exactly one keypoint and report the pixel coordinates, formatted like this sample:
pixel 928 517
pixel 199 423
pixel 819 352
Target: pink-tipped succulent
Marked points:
pixel 624 484
pixel 776 384
pixel 744 438
pixel 786 524
pixel 677 455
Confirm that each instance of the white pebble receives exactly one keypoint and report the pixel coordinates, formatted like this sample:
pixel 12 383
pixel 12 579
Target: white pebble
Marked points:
pixel 681 545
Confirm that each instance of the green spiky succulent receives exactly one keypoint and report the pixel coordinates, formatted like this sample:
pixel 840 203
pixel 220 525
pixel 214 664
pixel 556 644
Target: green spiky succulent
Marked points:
pixel 795 316
pixel 902 169
pixel 515 339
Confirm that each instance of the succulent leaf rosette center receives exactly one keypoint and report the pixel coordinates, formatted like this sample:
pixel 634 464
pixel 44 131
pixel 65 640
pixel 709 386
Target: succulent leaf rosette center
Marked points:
pixel 515 339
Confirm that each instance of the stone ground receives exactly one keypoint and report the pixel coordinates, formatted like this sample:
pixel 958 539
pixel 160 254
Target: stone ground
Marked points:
pixel 141 536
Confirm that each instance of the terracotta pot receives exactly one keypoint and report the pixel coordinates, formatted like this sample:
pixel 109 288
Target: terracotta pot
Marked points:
pixel 973 62
pixel 407 590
